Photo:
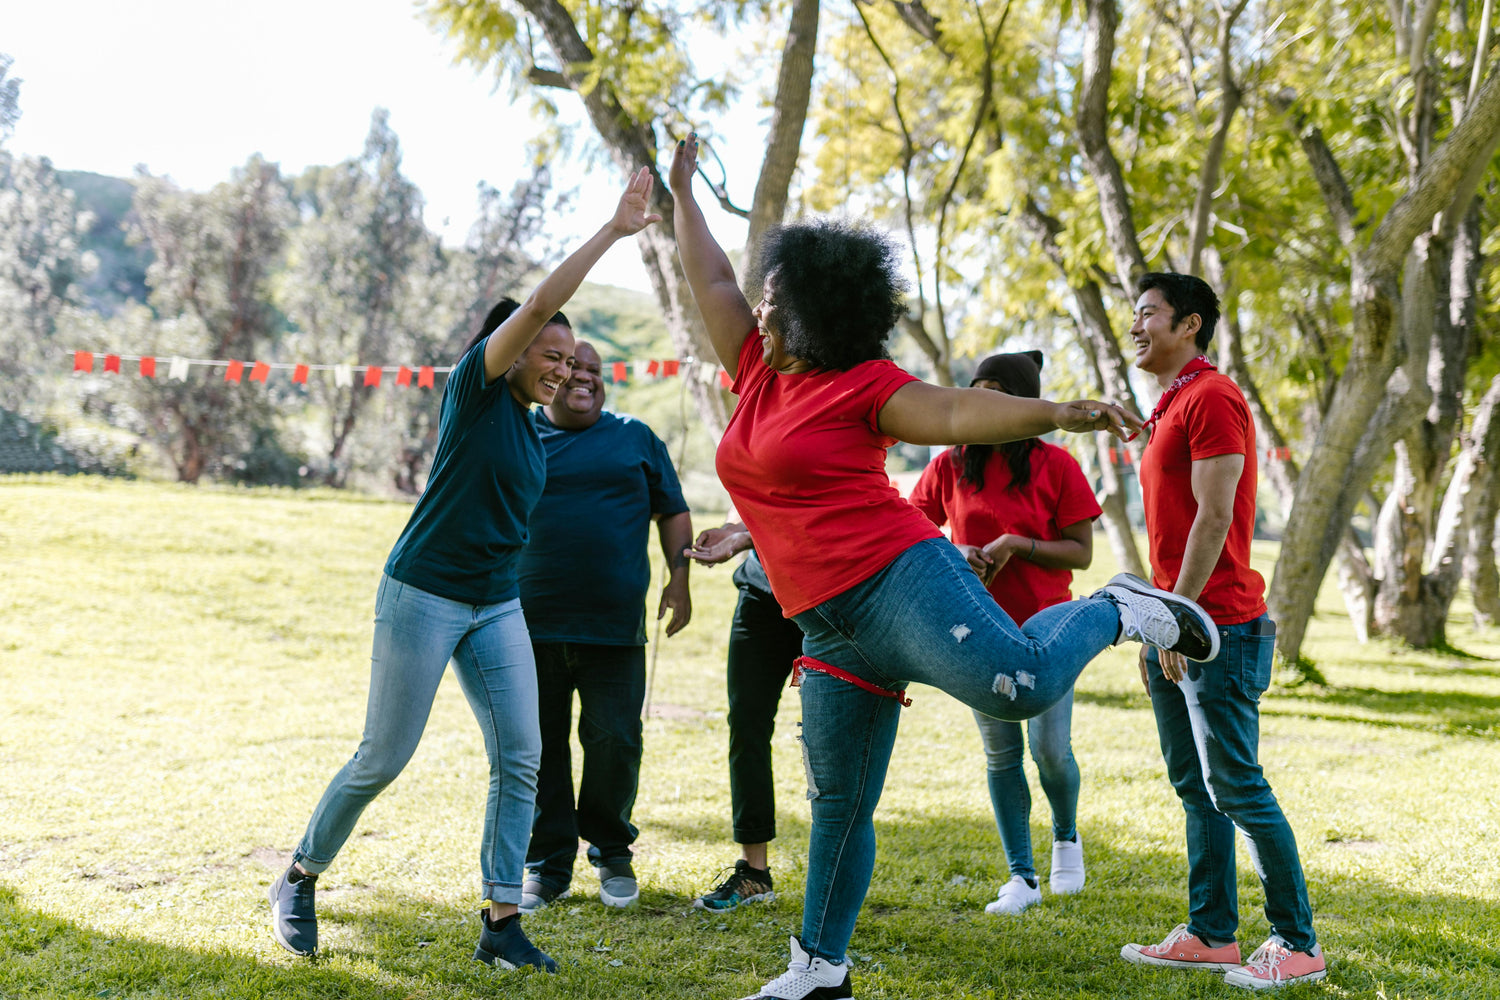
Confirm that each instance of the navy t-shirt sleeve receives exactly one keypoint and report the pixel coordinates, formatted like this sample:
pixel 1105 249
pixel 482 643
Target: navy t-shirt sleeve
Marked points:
pixel 661 478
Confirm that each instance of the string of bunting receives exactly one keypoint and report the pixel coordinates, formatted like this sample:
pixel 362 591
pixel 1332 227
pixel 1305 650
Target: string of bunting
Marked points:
pixel 423 376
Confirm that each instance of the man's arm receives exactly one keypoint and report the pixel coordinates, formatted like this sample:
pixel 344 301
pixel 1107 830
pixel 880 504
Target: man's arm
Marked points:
pixel 1214 482
pixel 676 533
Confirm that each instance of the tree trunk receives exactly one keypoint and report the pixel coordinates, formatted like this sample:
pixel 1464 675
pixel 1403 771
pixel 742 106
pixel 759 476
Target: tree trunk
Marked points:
pixel 1093 135
pixel 1479 474
pixel 1350 442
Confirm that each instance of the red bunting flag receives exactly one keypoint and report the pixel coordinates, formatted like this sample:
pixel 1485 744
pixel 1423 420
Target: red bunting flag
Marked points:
pixel 403 375
pixel 83 361
pixel 259 371
pixel 148 368
pixel 618 371
pixel 424 377
pixel 1125 457
pixel 299 375
pixel 372 375
pixel 235 371
pixel 669 367
pixel 725 380
pixel 112 363
pixel 653 367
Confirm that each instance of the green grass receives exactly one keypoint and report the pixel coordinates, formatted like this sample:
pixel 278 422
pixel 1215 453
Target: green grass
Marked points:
pixel 182 670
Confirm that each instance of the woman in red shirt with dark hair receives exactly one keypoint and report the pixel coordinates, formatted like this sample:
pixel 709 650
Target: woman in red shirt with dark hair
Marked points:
pixel 881 597
pixel 1022 514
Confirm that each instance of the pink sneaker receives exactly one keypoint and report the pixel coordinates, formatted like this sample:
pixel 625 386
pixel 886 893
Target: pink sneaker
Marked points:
pixel 1273 964
pixel 1182 950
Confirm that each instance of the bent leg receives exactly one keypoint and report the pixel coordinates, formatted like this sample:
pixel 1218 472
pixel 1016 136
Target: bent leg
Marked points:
pixel 415 633
pixel 926 618
pixel 497 672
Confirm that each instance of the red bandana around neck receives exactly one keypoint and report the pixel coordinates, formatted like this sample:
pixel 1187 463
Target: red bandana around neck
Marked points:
pixel 1190 371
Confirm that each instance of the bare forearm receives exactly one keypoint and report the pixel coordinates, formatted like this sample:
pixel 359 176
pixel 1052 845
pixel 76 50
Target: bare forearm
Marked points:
pixel 1205 543
pixel 676 534
pixel 1063 553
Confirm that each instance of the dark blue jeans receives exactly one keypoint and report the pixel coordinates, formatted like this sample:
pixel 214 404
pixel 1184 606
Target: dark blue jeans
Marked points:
pixel 1209 726
pixel 611 686
pixel 924 618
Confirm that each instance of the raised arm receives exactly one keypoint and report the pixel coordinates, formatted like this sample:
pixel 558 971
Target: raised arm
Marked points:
pixel 520 328
pixel 726 314
pixel 920 413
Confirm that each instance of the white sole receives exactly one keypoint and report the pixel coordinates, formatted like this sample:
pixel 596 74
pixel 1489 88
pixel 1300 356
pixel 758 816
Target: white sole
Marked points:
pixel 1137 585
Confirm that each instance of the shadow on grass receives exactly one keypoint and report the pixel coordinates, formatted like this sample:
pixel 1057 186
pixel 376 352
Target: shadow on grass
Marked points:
pixel 1450 713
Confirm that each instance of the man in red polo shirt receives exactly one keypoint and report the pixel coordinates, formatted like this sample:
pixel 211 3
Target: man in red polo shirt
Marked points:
pixel 1198 478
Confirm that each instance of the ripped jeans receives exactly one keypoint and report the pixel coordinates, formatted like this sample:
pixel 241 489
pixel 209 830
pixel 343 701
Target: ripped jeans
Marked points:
pixel 925 618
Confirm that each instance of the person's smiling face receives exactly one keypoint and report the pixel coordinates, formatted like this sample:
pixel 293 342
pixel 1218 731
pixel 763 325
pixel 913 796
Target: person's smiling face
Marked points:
pixel 582 397
pixel 1164 343
pixel 544 367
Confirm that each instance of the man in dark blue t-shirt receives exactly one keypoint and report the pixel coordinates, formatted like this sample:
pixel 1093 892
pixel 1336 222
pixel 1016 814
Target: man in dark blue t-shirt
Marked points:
pixel 584 576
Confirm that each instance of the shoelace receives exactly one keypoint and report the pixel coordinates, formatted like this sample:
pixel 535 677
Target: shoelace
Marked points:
pixel 1179 934
pixel 1148 611
pixel 1267 960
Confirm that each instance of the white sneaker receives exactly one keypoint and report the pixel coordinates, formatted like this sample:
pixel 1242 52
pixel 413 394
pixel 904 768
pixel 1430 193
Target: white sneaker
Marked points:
pixel 807 978
pixel 1015 896
pixel 1161 618
pixel 1067 866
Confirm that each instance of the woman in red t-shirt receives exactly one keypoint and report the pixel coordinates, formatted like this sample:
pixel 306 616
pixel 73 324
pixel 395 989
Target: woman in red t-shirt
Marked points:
pixel 881 597
pixel 1022 514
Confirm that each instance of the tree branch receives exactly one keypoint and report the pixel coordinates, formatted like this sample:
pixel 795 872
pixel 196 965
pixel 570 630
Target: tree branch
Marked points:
pixel 1325 169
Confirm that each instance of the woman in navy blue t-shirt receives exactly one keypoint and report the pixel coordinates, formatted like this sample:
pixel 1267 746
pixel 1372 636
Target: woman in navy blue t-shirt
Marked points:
pixel 450 592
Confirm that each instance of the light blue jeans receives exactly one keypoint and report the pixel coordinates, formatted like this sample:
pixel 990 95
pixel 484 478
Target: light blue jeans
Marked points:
pixel 924 618
pixel 1051 735
pixel 416 634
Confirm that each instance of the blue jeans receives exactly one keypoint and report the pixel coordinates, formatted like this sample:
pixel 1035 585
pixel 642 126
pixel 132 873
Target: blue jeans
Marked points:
pixel 925 618
pixel 1052 748
pixel 416 634
pixel 1209 726
pixel 611 686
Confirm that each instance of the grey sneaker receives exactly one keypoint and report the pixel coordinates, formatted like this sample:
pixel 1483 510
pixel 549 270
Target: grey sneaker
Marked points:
pixel 294 920
pixel 617 885
pixel 536 894
pixel 1161 618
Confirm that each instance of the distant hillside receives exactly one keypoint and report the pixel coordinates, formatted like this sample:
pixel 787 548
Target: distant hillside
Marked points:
pixel 121 275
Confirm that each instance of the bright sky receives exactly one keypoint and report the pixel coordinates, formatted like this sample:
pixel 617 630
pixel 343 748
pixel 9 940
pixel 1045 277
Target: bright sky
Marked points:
pixel 191 88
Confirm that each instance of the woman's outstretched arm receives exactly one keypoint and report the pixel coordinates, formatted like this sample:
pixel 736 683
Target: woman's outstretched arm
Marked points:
pixel 726 314
pixel 520 328
pixel 920 413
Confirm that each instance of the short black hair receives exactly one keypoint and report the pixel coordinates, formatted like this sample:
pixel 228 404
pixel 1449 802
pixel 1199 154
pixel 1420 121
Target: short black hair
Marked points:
pixel 839 290
pixel 1186 294
pixel 498 314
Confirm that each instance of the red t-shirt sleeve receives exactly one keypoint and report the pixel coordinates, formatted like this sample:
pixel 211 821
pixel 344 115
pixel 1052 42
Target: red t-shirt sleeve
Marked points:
pixel 1075 498
pixel 927 495
pixel 1217 421
pixel 883 379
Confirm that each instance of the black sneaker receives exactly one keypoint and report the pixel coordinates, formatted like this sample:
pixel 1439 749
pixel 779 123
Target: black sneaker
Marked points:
pixel 1161 618
pixel 508 947
pixel 293 918
pixel 744 885
pixel 807 978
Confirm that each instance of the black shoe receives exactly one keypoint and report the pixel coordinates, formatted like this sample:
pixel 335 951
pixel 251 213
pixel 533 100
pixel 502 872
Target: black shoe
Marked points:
pixel 807 978
pixel 293 918
pixel 744 885
pixel 508 947
pixel 1161 618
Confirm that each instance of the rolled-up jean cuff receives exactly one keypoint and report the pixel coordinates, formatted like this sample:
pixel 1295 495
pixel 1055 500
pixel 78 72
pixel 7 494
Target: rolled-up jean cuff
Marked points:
pixel 308 864
pixel 501 892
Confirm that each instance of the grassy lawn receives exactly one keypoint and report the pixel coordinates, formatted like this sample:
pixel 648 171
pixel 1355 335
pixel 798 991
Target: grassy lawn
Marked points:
pixel 182 670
